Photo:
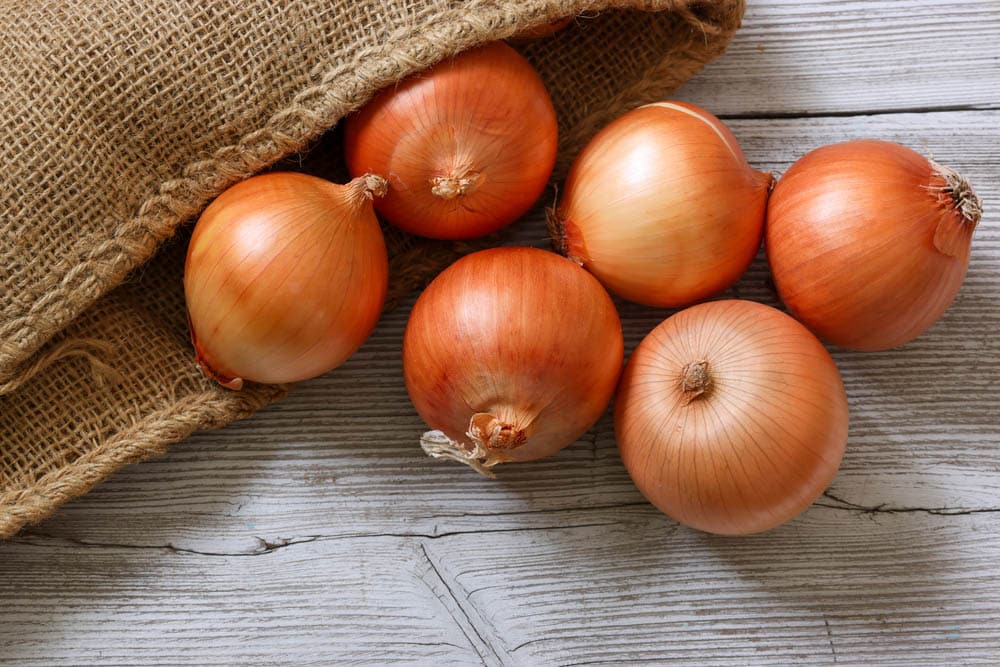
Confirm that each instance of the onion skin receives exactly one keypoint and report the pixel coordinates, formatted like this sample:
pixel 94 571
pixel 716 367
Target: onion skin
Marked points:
pixel 285 278
pixel 869 242
pixel 731 417
pixel 467 146
pixel 513 353
pixel 662 206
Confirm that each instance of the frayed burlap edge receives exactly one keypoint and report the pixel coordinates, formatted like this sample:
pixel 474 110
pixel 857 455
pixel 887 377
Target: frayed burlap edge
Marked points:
pixel 142 440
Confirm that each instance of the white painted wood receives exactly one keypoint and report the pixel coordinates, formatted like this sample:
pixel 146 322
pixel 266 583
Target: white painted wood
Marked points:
pixel 378 597
pixel 318 533
pixel 856 56
pixel 823 590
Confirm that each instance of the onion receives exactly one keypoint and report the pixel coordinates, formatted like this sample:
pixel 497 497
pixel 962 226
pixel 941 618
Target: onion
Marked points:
pixel 511 354
pixel 662 206
pixel 869 242
pixel 468 146
pixel 285 278
pixel 731 417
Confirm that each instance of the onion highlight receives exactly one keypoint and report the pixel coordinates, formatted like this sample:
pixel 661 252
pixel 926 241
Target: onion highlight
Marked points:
pixel 869 242
pixel 510 354
pixel 662 206
pixel 285 278
pixel 467 146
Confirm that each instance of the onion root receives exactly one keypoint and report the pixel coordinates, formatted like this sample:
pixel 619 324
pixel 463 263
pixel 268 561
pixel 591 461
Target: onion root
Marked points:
pixel 489 437
pixel 450 187
pixel 439 446
pixel 493 434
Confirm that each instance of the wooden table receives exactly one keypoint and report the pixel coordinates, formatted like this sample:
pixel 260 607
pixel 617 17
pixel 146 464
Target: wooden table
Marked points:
pixel 318 533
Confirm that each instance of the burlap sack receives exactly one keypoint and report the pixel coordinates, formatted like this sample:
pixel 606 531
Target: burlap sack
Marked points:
pixel 121 119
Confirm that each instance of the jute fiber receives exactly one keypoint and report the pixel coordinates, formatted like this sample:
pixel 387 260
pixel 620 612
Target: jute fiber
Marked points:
pixel 122 119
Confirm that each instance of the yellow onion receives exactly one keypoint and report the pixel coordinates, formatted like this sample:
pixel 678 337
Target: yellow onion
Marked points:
pixel 869 242
pixel 510 354
pixel 285 278
pixel 467 146
pixel 731 417
pixel 662 206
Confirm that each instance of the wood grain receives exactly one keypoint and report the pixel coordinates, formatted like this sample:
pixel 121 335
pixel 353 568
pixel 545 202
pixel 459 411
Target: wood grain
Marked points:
pixel 821 57
pixel 318 533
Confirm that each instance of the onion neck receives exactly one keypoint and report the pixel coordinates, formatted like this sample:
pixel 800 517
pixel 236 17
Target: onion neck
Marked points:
pixel 766 179
pixel 490 440
pixel 566 238
pixel 954 193
pixel 366 187
pixel 696 381
pixel 455 185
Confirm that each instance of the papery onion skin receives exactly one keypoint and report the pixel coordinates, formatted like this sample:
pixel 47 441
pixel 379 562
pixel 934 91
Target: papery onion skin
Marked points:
pixel 731 417
pixel 662 206
pixel 467 146
pixel 869 242
pixel 285 278
pixel 520 335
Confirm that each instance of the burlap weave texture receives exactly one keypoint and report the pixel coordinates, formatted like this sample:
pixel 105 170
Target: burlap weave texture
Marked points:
pixel 121 119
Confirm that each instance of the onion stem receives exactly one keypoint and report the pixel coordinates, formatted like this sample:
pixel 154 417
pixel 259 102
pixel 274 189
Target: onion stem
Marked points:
pixel 695 380
pixel 962 195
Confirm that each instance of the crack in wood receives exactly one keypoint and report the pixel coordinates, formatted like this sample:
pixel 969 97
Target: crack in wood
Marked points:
pixel 885 508
pixel 887 111
pixel 633 660
pixel 270 545
pixel 430 644
pixel 267 546
pixel 529 642
pixel 549 510
pixel 829 636
pixel 465 613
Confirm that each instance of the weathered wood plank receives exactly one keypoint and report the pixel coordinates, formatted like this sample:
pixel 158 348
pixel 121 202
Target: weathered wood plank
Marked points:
pixel 318 533
pixel 834 587
pixel 303 605
pixel 895 589
pixel 832 56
